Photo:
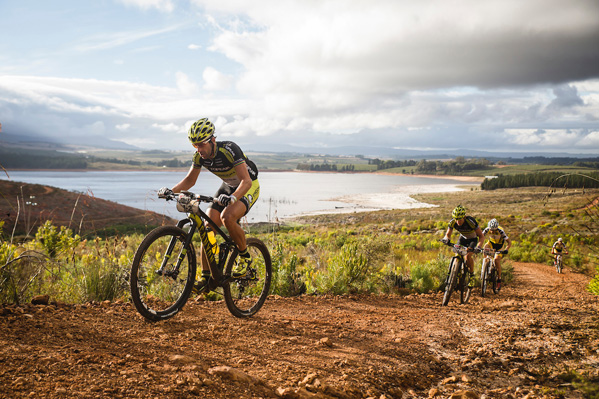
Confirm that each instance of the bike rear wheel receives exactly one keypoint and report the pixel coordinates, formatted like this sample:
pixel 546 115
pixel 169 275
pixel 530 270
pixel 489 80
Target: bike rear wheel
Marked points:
pixel 245 296
pixel 160 289
pixel 483 277
pixel 451 282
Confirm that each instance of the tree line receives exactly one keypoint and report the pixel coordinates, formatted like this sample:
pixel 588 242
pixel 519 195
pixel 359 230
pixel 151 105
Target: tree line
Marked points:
pixel 549 179
pixel 325 167
pixel 35 159
pixel 453 166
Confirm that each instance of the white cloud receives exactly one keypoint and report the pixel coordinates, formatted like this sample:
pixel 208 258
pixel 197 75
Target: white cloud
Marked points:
pixel 591 140
pixel 170 127
pixel 123 127
pixel 185 84
pixel 161 5
pixel 107 41
pixel 215 80
pixel 194 47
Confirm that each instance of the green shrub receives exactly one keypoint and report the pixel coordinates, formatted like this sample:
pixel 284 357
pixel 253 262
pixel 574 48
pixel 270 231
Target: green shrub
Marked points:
pixel 593 286
pixel 287 280
pixel 56 241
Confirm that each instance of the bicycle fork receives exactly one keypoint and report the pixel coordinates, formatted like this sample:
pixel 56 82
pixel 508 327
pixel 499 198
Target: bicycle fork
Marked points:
pixel 174 272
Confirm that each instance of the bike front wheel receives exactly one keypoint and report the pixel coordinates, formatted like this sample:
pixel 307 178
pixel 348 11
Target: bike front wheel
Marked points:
pixel 493 278
pixel 558 264
pixel 245 296
pixel 483 277
pixel 465 289
pixel 451 282
pixel 162 273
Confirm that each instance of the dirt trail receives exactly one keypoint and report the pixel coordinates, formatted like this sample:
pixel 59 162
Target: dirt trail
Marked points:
pixel 518 344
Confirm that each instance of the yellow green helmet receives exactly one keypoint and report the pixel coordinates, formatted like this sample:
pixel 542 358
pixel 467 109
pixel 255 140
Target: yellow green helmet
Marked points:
pixel 458 212
pixel 201 131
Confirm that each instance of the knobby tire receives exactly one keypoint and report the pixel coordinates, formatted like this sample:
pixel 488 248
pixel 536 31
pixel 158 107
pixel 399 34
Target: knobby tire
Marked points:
pixel 483 277
pixel 465 289
pixel 493 279
pixel 246 295
pixel 558 264
pixel 451 280
pixel 159 297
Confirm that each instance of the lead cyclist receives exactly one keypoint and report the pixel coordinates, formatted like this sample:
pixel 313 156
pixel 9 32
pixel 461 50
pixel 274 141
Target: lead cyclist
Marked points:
pixel 235 197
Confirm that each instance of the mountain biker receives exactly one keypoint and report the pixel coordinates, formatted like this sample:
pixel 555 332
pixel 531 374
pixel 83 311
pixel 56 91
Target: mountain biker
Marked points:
pixel 557 249
pixel 497 237
pixel 470 235
pixel 236 195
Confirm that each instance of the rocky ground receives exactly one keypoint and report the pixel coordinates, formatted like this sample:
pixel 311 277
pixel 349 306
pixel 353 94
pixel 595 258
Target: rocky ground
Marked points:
pixel 525 342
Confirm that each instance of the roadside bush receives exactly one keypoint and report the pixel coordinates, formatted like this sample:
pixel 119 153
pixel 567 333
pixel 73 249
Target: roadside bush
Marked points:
pixel 593 286
pixel 429 276
pixel 287 280
pixel 56 241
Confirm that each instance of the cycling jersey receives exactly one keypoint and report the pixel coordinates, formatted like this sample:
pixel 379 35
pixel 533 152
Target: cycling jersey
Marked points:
pixel 228 155
pixel 467 229
pixel 497 237
pixel 559 246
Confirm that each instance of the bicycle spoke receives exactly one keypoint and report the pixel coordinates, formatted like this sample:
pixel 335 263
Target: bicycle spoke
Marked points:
pixel 246 295
pixel 162 273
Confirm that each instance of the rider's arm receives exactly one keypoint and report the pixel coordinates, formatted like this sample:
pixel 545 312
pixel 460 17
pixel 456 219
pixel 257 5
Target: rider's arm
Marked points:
pixel 245 180
pixel 509 243
pixel 481 237
pixel 448 233
pixel 188 181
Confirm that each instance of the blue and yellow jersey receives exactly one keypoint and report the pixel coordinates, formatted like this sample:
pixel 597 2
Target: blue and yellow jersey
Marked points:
pixel 228 155
pixel 497 237
pixel 467 229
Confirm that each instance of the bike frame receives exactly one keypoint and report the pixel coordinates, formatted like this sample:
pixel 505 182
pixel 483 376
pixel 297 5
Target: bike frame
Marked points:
pixel 196 223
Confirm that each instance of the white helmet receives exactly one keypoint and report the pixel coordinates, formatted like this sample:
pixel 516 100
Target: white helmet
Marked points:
pixel 493 224
pixel 560 239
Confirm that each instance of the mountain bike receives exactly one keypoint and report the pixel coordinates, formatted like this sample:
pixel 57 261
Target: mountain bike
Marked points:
pixel 163 272
pixel 458 275
pixel 488 271
pixel 559 262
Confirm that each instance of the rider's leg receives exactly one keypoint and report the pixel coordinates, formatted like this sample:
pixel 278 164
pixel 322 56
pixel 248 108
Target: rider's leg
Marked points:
pixel 215 216
pixel 230 215
pixel 498 265
pixel 470 263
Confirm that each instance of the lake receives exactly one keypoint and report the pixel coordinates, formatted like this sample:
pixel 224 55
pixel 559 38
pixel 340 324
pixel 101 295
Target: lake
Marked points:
pixel 283 195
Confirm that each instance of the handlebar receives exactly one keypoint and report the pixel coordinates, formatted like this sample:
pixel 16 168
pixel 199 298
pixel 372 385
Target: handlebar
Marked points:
pixel 457 248
pixel 186 197
pixel 187 201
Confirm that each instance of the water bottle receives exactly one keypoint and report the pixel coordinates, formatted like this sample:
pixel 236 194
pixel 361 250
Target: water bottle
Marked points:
pixel 212 239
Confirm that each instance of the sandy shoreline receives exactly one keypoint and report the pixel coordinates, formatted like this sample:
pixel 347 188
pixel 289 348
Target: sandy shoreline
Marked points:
pixel 470 179
pixel 399 198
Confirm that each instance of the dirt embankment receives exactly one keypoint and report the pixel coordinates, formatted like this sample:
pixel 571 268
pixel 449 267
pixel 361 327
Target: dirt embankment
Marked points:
pixel 522 343
pixel 30 205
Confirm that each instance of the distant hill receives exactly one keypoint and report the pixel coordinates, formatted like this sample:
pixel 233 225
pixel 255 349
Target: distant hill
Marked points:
pixel 32 140
pixel 398 153
pixel 84 214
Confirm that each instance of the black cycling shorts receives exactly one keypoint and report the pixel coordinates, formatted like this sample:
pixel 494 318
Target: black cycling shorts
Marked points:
pixel 468 242
pixel 496 247
pixel 248 199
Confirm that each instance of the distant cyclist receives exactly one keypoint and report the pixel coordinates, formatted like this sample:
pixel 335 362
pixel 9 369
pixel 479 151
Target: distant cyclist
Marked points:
pixel 239 191
pixel 497 238
pixel 470 235
pixel 557 249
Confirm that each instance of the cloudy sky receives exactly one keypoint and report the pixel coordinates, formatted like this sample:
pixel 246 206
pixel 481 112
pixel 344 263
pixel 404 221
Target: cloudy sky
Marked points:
pixel 433 74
